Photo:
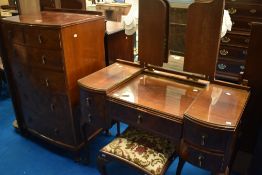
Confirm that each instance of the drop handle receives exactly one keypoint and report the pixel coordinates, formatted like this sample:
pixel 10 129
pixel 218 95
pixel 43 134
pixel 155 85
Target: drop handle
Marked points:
pixel 203 140
pixel 88 102
pixel 40 39
pixel 139 119
pixel 200 160
pixel 43 59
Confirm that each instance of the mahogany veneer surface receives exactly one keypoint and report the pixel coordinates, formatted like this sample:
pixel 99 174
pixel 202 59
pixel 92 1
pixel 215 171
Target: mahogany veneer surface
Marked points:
pixel 53 18
pixel 157 93
pixel 107 77
pixel 219 105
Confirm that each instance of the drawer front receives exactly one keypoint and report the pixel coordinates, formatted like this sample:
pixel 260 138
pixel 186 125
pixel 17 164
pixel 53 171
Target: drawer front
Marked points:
pixel 236 53
pixel 205 137
pixel 224 65
pixel 242 23
pixel 13 33
pixel 235 40
pixel 48 80
pixel 145 120
pixel 46 59
pixel 206 160
pixel 93 109
pixel 48 126
pixel 40 38
pixel 247 10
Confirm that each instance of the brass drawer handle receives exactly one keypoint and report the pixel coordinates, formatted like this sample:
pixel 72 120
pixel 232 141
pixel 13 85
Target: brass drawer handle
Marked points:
pixel 139 119
pixel 244 52
pixel 88 102
pixel 43 59
pixel 232 11
pixel 253 11
pixel 225 39
pixel 47 82
pixel 200 160
pixel 40 39
pixel 203 140
pixel 222 66
pixel 223 52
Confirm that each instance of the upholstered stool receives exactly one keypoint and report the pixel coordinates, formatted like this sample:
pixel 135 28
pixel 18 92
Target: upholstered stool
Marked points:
pixel 146 152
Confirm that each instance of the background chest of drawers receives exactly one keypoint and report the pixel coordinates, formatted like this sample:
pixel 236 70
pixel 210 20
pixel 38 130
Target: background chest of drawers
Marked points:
pixel 44 59
pixel 234 46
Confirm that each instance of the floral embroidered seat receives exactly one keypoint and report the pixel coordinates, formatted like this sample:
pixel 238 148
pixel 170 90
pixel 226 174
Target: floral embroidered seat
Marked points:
pixel 147 152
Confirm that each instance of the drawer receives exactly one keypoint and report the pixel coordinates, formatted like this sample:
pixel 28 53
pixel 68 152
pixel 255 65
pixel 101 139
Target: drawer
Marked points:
pixel 243 23
pixel 248 10
pixel 48 80
pixel 13 33
pixel 235 40
pixel 236 53
pixel 46 59
pixel 205 137
pixel 145 120
pixel 93 109
pixel 230 66
pixel 42 38
pixel 207 160
pixel 50 128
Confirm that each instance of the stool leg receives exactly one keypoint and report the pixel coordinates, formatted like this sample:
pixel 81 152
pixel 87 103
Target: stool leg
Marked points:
pixel 180 165
pixel 101 164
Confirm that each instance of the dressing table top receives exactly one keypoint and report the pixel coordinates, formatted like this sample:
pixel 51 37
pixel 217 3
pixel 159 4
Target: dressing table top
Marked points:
pixel 219 106
pixel 157 93
pixel 108 77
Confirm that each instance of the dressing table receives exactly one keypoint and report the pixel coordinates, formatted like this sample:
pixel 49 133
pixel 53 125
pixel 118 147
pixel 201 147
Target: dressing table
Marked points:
pixel 201 115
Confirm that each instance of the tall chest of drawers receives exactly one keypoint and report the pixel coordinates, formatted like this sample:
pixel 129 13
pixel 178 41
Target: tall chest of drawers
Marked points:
pixel 234 45
pixel 45 56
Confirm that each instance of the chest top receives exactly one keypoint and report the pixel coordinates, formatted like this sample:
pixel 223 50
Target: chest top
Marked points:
pixel 52 19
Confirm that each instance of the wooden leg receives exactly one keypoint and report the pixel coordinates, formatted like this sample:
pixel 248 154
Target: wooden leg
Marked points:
pixel 118 128
pixel 180 166
pixel 101 164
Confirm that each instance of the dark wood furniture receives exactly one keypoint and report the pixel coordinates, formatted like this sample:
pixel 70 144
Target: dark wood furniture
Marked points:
pixel 234 46
pixel 113 11
pixel 118 45
pixel 45 56
pixel 64 4
pixel 199 114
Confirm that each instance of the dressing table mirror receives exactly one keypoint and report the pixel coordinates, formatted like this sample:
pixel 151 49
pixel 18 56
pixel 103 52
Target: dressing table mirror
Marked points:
pixel 200 115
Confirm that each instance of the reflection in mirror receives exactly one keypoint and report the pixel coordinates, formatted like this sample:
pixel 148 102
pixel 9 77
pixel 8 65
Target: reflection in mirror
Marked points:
pixel 177 28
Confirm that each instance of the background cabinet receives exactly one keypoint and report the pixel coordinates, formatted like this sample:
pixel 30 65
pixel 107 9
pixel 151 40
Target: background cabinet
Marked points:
pixel 234 45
